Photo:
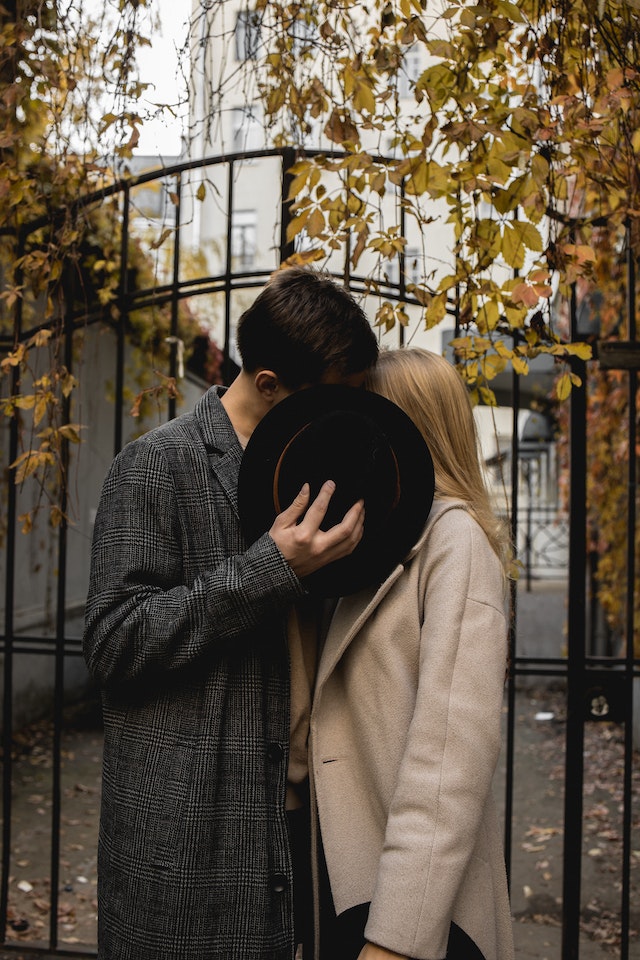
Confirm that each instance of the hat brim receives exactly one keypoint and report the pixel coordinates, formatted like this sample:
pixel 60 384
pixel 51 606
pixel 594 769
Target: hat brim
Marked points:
pixel 389 531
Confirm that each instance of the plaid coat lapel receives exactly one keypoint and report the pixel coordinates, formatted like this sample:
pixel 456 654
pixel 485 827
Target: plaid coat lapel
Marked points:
pixel 221 443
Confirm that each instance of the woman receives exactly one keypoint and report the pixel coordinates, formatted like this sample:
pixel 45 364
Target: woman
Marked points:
pixel 405 729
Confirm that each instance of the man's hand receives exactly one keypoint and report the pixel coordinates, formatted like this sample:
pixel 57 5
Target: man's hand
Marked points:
pixel 371 952
pixel 304 545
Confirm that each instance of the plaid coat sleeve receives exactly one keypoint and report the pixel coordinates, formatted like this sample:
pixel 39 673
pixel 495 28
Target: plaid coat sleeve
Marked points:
pixel 163 587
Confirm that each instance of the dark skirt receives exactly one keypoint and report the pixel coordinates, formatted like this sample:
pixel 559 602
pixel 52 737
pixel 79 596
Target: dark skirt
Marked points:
pixel 341 938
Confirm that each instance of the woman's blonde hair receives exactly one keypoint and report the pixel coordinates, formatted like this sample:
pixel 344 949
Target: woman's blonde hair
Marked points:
pixel 431 391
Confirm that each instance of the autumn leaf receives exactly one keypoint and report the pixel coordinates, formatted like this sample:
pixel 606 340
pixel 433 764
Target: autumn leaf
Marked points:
pixel 563 386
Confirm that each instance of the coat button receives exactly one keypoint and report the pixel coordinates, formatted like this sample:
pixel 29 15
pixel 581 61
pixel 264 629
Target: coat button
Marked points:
pixel 275 752
pixel 279 883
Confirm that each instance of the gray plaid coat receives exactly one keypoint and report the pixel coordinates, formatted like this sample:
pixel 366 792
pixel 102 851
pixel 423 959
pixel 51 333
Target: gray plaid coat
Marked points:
pixel 185 635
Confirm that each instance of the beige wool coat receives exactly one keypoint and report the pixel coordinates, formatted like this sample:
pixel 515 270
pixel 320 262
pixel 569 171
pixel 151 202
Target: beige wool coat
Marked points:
pixel 404 740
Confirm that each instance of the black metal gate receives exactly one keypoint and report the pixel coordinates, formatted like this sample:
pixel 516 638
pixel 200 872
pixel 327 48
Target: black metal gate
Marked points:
pixel 40 914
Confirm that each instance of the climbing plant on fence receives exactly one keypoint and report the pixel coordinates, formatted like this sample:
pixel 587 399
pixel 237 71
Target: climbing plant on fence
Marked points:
pixel 521 131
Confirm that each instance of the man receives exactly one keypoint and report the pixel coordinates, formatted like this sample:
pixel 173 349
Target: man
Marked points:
pixel 186 634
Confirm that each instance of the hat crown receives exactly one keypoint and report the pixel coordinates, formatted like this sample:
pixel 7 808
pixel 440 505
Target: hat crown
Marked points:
pixel 348 447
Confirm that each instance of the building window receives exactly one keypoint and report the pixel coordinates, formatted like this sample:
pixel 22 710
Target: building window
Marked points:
pixel 410 72
pixel 304 35
pixel 244 229
pixel 247 131
pixel 412 265
pixel 247 35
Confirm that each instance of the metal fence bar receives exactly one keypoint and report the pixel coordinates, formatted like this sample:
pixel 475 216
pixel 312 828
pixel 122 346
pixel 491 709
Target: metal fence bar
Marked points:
pixel 574 761
pixel 228 274
pixel 625 912
pixel 9 637
pixel 59 659
pixel 287 247
pixel 512 638
pixel 122 314
pixel 175 351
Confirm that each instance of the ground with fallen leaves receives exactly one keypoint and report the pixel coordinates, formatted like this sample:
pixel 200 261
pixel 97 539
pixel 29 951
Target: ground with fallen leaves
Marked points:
pixel 538 814
pixel 537 826
pixel 32 811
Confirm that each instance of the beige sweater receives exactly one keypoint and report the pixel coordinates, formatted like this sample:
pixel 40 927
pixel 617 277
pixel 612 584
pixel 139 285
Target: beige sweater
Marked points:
pixel 405 736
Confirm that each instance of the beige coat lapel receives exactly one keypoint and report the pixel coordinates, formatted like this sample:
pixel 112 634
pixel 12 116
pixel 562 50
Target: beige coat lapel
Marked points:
pixel 351 613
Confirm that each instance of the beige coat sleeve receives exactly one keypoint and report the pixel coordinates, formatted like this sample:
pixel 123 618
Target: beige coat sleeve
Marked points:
pixel 453 744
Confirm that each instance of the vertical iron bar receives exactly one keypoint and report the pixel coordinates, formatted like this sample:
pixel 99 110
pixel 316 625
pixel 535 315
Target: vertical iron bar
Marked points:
pixel 58 703
pixel 173 350
pixel 122 314
pixel 513 612
pixel 402 259
pixel 7 704
pixel 226 363
pixel 287 247
pixel 625 918
pixel 574 760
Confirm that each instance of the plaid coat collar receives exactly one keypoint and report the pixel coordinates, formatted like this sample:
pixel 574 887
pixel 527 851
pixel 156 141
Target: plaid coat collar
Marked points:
pixel 221 443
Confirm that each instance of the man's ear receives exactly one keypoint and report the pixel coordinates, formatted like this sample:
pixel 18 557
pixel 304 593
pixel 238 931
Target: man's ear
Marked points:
pixel 267 385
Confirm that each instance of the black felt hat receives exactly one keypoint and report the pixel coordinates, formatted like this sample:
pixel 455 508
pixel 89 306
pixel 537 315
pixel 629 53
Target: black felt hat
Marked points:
pixel 370 448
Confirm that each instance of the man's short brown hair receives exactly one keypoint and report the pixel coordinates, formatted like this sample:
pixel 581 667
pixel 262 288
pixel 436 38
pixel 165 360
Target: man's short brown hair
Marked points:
pixel 302 325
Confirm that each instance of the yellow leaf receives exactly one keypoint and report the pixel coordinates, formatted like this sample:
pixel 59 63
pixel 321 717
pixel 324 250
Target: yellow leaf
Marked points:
pixel 436 310
pixel 530 235
pixel 40 410
pixel 503 351
pixel 563 386
pixel 25 465
pixel 297 224
pixel 539 169
pixel 68 384
pixel 363 98
pixel 315 223
pixel 71 432
pixel 581 350
pixel 512 248
pixel 201 192
pixel 297 184
pixel 41 338
pixel 488 396
pixel 492 366
pixel 418 181
pixel 488 316
pixel 305 256
pixel 581 252
pixel 509 10
pixel 276 99
pixel 27 522
pixel 520 365
pixel 25 403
